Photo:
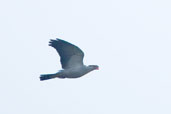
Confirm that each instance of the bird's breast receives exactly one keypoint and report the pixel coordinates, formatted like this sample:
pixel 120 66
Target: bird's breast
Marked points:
pixel 75 72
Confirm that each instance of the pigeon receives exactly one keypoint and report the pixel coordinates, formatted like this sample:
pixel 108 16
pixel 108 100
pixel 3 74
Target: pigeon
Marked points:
pixel 71 58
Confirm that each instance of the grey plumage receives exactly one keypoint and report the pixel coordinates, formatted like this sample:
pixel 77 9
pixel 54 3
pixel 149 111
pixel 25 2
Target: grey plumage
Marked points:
pixel 71 58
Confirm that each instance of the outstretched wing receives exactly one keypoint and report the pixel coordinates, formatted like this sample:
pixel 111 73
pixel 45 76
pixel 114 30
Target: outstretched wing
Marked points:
pixel 70 55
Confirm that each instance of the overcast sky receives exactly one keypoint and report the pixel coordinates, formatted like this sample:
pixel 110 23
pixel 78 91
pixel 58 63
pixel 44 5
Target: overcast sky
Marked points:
pixel 130 40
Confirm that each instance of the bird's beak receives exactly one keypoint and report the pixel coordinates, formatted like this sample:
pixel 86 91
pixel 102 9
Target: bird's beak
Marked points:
pixel 97 68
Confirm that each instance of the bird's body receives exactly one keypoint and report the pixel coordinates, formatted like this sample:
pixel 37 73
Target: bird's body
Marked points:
pixel 71 58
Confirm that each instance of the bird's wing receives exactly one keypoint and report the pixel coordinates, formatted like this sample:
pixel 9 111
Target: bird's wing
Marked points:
pixel 70 55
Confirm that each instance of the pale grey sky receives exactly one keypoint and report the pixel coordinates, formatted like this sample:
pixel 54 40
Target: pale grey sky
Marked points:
pixel 129 39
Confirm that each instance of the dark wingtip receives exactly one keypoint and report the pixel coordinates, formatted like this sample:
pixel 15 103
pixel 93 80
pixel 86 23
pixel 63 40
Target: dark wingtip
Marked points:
pixel 58 39
pixel 52 41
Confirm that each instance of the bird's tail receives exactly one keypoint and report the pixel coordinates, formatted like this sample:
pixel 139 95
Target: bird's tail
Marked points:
pixel 50 76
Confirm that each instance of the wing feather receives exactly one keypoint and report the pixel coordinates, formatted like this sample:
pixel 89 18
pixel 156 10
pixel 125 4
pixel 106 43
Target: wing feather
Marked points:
pixel 70 55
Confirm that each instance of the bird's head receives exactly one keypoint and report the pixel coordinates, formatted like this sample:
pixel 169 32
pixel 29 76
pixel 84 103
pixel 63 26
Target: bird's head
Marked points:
pixel 94 67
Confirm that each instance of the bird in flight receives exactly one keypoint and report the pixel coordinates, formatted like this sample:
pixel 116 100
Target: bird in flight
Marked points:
pixel 71 58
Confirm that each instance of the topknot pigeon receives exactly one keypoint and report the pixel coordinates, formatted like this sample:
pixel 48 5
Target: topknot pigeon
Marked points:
pixel 71 58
